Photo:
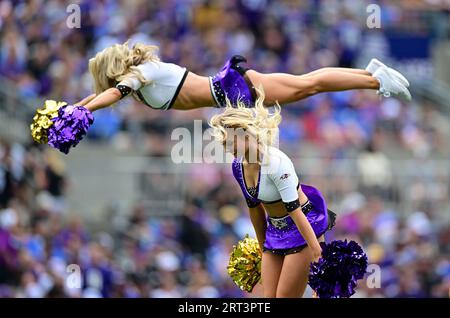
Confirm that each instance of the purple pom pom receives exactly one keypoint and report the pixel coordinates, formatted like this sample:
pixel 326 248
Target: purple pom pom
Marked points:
pixel 337 271
pixel 69 127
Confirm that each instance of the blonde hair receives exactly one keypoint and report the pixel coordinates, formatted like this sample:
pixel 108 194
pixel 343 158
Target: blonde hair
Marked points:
pixel 257 121
pixel 116 62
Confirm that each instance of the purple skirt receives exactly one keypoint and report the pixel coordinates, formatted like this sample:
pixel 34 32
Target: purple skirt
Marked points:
pixel 282 234
pixel 232 83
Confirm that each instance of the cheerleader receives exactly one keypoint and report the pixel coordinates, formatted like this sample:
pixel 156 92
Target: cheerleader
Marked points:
pixel 119 71
pixel 297 214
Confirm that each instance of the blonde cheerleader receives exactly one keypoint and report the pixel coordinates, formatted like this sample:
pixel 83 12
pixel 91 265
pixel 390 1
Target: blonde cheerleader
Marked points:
pixel 290 218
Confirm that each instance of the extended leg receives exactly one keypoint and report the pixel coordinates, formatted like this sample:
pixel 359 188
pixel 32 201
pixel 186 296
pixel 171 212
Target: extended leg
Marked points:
pixel 339 69
pixel 287 88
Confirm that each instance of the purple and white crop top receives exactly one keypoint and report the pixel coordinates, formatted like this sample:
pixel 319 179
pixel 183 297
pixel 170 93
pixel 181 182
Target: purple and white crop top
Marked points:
pixel 166 82
pixel 277 180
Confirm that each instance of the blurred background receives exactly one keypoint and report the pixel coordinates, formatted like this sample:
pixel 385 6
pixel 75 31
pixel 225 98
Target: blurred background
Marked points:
pixel 139 225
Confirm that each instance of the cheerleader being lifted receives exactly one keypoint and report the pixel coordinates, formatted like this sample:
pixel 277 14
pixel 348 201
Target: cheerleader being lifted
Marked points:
pixel 119 71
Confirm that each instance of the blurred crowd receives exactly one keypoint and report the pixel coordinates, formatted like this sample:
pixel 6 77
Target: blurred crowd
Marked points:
pixel 185 256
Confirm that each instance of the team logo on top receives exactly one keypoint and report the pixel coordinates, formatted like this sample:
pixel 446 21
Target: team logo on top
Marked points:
pixel 284 176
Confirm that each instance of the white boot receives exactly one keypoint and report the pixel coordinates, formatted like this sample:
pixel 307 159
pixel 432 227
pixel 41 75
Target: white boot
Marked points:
pixel 390 85
pixel 375 64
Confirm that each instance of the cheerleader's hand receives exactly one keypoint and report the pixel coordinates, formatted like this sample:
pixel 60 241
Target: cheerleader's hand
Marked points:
pixel 60 125
pixel 69 127
pixel 317 254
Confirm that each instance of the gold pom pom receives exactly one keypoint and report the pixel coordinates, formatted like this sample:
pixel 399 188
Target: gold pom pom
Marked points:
pixel 244 266
pixel 42 120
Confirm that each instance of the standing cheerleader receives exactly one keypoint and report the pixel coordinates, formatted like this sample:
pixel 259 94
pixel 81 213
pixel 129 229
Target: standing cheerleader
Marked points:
pixel 119 71
pixel 297 214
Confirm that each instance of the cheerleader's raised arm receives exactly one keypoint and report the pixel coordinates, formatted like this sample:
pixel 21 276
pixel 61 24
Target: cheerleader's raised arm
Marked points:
pixel 102 100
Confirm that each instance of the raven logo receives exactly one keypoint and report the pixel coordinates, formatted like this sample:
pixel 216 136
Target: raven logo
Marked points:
pixel 284 176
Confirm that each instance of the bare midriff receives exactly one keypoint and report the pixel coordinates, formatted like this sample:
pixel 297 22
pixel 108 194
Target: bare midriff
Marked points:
pixel 278 209
pixel 195 93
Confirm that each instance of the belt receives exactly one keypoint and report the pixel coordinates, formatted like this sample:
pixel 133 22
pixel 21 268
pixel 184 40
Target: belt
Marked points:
pixel 281 222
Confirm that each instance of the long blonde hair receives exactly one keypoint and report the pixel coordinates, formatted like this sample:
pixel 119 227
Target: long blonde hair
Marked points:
pixel 116 62
pixel 257 121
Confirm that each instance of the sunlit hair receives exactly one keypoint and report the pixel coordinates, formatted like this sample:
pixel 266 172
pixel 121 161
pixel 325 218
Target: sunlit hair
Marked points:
pixel 257 121
pixel 116 62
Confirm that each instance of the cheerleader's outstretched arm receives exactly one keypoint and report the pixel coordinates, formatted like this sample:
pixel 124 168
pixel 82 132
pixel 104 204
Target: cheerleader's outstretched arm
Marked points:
pixel 258 218
pixel 86 100
pixel 104 99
